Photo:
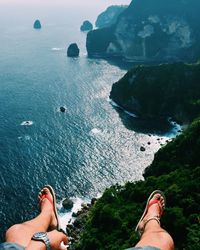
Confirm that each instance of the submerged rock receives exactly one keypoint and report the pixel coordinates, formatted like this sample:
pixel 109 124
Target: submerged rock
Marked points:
pixel 73 50
pixel 37 25
pixel 86 26
pixel 67 203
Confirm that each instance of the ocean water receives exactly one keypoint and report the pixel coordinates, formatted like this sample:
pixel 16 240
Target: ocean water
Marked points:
pixel 80 152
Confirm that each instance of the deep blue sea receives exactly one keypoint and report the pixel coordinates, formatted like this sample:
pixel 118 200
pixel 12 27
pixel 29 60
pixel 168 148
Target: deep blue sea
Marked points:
pixel 80 152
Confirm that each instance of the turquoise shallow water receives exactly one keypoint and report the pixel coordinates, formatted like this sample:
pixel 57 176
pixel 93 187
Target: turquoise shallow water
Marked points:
pixel 80 152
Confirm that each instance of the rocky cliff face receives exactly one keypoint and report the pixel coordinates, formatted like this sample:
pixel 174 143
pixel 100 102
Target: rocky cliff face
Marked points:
pixel 168 90
pixel 154 30
pixel 109 16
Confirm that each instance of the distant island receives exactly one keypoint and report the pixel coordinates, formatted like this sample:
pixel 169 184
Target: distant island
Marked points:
pixel 86 26
pixel 37 24
pixel 150 31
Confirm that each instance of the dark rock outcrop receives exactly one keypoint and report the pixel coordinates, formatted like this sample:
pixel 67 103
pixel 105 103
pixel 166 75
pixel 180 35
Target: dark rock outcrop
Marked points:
pixel 167 90
pixel 151 30
pixel 109 16
pixel 37 24
pixel 62 109
pixel 73 50
pixel 67 203
pixel 86 26
pixel 76 229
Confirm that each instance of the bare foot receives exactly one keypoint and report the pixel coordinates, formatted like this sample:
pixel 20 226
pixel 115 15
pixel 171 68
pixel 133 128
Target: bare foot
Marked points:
pixel 154 211
pixel 46 204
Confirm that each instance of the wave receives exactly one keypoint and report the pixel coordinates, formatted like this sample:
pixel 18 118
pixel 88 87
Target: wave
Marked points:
pixel 26 123
pixel 114 104
pixel 96 131
pixel 65 216
pixel 56 49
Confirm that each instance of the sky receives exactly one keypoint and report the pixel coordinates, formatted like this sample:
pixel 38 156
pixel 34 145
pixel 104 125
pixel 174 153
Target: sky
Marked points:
pixel 66 2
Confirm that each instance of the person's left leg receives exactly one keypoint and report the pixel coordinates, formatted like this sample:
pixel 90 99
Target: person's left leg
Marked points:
pixel 22 233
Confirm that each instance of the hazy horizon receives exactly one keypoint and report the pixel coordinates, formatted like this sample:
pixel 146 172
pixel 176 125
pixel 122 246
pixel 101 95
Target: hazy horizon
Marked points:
pixel 98 3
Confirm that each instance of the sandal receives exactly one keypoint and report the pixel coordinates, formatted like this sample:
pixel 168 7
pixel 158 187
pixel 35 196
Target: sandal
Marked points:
pixel 45 196
pixel 139 228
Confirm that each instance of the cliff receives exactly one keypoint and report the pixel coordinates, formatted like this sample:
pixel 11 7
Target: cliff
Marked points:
pixel 161 91
pixel 112 220
pixel 151 30
pixel 109 16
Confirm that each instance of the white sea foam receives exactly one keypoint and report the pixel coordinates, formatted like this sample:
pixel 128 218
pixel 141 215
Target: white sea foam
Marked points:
pixel 26 137
pixel 26 123
pixel 129 113
pixel 65 216
pixel 176 129
pixel 96 131
pixel 56 49
pixel 114 103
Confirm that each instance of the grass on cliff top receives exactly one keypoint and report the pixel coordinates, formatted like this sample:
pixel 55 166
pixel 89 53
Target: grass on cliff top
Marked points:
pixel 176 171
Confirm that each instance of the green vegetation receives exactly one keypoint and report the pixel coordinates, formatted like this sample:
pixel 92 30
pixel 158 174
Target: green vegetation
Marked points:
pixel 167 90
pixel 176 171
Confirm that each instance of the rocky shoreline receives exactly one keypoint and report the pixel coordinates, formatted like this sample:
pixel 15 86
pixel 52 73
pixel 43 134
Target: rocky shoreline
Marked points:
pixel 75 229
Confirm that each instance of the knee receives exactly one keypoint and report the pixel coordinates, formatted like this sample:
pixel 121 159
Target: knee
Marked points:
pixel 167 240
pixel 13 232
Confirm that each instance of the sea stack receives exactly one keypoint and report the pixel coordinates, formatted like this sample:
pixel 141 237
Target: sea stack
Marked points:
pixel 37 25
pixel 73 50
pixel 62 109
pixel 86 26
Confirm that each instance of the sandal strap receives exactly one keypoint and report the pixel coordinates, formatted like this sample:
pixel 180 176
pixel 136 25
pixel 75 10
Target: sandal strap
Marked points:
pixel 156 218
pixel 156 201
pixel 45 196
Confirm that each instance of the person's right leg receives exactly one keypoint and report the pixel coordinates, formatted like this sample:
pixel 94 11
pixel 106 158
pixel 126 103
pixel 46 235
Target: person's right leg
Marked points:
pixel 153 234
pixel 22 233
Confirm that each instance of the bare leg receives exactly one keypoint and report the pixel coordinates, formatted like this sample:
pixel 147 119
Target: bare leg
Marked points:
pixel 153 234
pixel 22 233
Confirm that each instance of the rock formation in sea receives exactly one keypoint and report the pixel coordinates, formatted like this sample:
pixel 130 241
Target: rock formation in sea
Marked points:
pixel 37 24
pixel 151 30
pixel 86 26
pixel 67 203
pixel 62 109
pixel 162 91
pixel 109 16
pixel 73 50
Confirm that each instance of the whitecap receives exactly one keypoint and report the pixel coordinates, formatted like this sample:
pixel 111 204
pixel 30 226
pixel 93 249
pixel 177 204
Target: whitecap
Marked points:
pixel 96 131
pixel 56 49
pixel 27 137
pixel 26 123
